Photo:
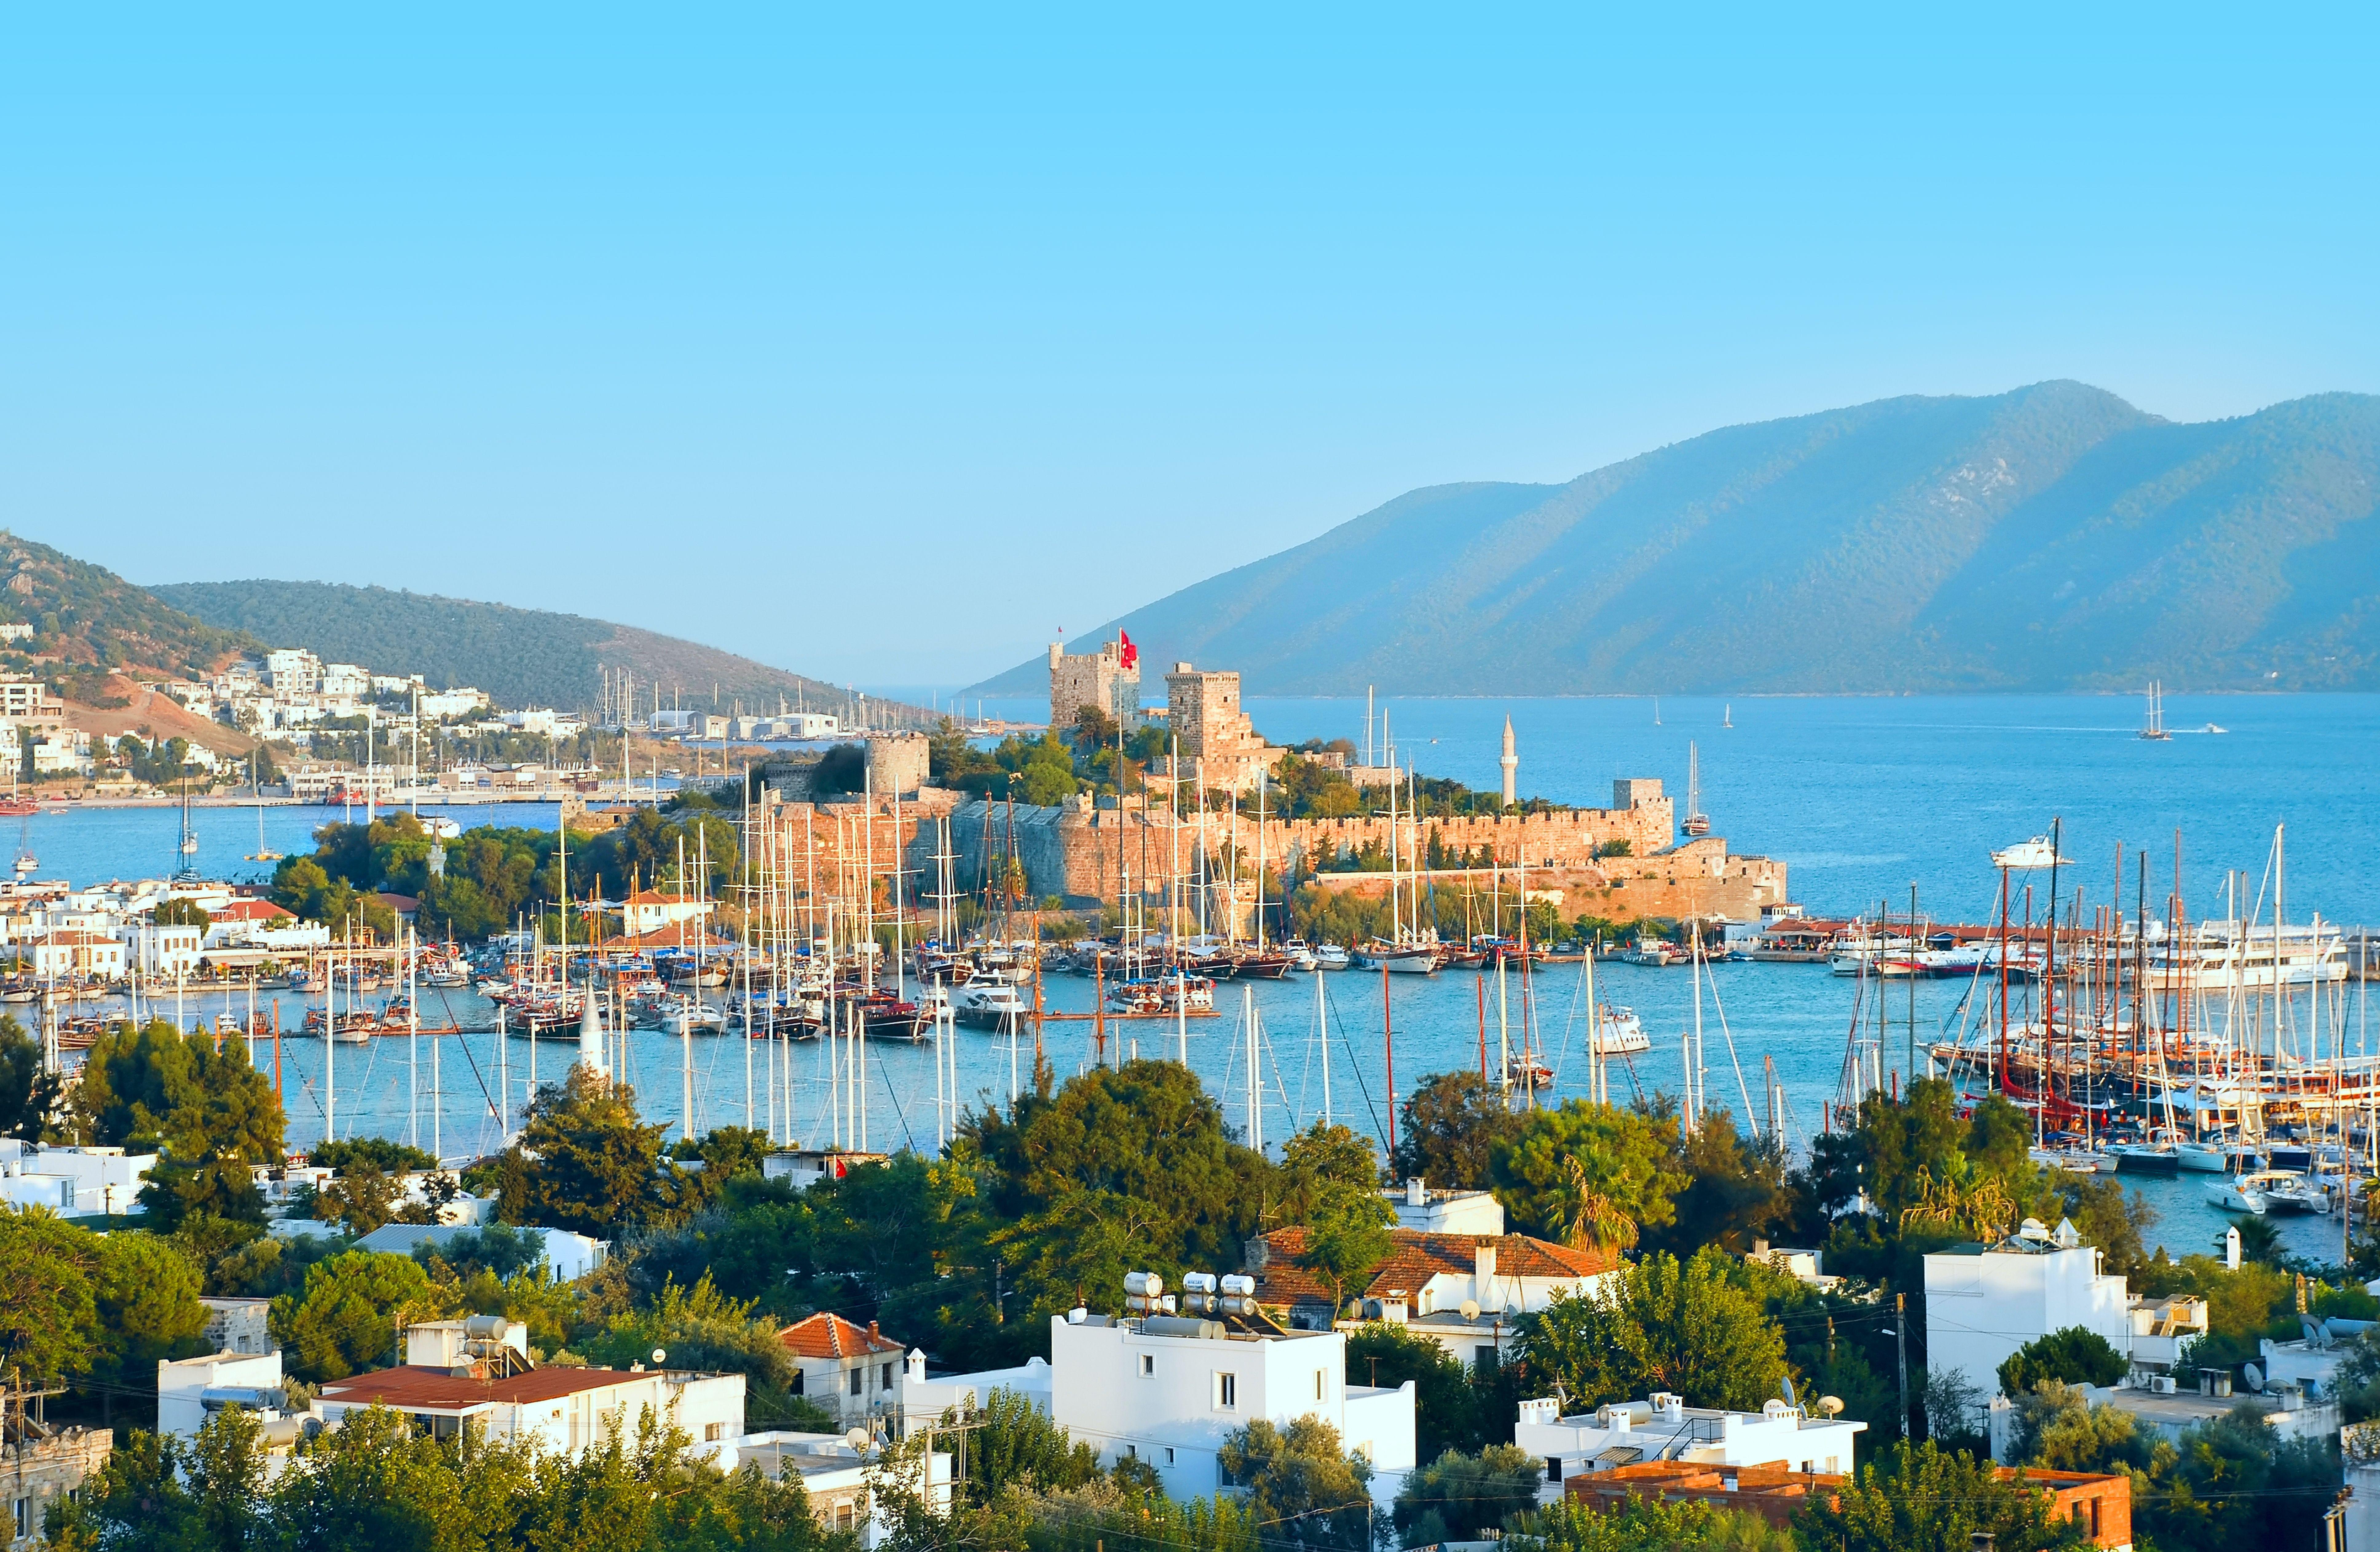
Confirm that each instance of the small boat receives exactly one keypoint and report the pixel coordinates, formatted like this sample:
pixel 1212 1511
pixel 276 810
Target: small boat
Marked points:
pixel 1331 956
pixel 1653 952
pixel 2074 1160
pixel 1409 959
pixel 1619 1032
pixel 2268 1191
pixel 1254 966
pixel 2213 728
pixel 988 1004
pixel 2145 1158
pixel 1526 1070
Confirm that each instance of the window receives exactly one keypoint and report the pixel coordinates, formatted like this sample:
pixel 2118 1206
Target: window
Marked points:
pixel 1169 1454
pixel 888 1378
pixel 859 1378
pixel 713 1431
pixel 1132 1452
pixel 24 1518
pixel 1148 1366
pixel 797 1382
pixel 1321 1380
pixel 1227 1392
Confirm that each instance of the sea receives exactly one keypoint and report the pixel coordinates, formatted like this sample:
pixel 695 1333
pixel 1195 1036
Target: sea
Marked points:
pixel 1862 798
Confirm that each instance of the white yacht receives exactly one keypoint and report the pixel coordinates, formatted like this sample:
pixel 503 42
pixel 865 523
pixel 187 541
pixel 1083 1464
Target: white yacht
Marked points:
pixel 2268 1191
pixel 988 1004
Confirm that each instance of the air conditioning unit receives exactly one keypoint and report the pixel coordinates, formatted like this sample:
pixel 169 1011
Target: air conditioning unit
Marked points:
pixel 2161 1384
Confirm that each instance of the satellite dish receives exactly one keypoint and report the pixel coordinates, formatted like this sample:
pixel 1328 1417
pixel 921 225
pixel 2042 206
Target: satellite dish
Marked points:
pixel 660 1355
pixel 1470 1308
pixel 1787 1384
pixel 1830 1406
pixel 2254 1376
pixel 859 1438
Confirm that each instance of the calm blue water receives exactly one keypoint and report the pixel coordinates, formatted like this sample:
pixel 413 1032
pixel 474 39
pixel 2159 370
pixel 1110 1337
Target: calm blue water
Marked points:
pixel 1859 796
pixel 89 845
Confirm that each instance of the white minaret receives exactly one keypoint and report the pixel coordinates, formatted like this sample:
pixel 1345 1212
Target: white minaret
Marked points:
pixel 591 1037
pixel 1510 762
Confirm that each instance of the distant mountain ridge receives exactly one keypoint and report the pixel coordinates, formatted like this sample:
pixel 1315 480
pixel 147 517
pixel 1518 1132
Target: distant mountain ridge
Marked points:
pixel 522 657
pixel 2052 538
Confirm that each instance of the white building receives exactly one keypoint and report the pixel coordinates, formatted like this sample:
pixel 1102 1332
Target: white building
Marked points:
pixel 1983 1301
pixel 1663 1427
pixel 856 1373
pixel 460 701
pixel 475 1372
pixel 1465 1292
pixel 167 951
pixel 64 955
pixel 569 1255
pixel 1446 1212
pixel 72 1181
pixel 652 910
pixel 835 1478
pixel 1168 1389
pixel 293 670
pixel 190 1390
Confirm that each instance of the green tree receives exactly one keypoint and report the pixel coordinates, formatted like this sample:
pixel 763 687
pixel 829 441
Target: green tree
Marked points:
pixel 211 1112
pixel 1662 1325
pixel 359 1200
pixel 29 1095
pixel 181 913
pixel 1300 1485
pixel 1917 1497
pixel 1457 1496
pixel 2056 1428
pixel 1450 1130
pixel 145 1298
pixel 1586 1161
pixel 1329 1182
pixel 1650 1525
pixel 2075 1354
pixel 1014 1445
pixel 1454 1407
pixel 698 1328
pixel 49 1314
pixel 353 1313
pixel 370 1153
pixel 1736 1188
pixel 585 1160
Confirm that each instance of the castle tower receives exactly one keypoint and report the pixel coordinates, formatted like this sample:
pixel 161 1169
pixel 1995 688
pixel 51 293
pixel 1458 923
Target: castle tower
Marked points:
pixel 1511 764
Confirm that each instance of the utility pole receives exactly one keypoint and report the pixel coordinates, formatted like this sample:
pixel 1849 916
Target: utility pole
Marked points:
pixel 1901 1347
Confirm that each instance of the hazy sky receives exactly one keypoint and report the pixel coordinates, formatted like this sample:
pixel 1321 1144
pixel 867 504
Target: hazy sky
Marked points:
pixel 882 344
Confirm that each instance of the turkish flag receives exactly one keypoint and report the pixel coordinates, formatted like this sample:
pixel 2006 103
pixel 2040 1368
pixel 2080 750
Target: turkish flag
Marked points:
pixel 1131 652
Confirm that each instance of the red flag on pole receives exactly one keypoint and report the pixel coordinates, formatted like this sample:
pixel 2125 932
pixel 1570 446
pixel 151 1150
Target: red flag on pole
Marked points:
pixel 1131 652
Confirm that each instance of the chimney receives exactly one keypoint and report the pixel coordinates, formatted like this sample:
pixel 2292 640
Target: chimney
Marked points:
pixel 874 1336
pixel 1483 1269
pixel 1417 1193
pixel 1255 1253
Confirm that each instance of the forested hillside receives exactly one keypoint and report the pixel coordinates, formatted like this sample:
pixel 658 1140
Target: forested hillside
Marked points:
pixel 522 657
pixel 87 622
pixel 2052 538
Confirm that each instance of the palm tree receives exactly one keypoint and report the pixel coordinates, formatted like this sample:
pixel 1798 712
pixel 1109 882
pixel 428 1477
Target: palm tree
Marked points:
pixel 1594 1218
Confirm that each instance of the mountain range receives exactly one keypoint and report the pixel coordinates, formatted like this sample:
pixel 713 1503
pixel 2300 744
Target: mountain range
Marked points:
pixel 521 657
pixel 2052 538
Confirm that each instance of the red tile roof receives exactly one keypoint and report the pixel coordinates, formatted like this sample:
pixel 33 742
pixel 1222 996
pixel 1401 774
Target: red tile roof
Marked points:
pixel 416 1387
pixel 250 911
pixel 1417 1257
pixel 828 1335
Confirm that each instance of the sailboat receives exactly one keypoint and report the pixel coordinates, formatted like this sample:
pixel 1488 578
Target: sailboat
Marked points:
pixel 1657 710
pixel 263 852
pixel 1727 716
pixel 2153 729
pixel 23 809
pixel 1696 822
pixel 190 843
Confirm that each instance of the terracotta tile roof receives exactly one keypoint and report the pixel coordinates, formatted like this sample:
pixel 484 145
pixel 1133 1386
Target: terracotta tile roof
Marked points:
pixel 655 897
pixel 828 1335
pixel 1419 1256
pixel 250 911
pixel 414 1388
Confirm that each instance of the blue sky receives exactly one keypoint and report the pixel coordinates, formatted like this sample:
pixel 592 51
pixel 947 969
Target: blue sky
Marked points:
pixel 883 344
